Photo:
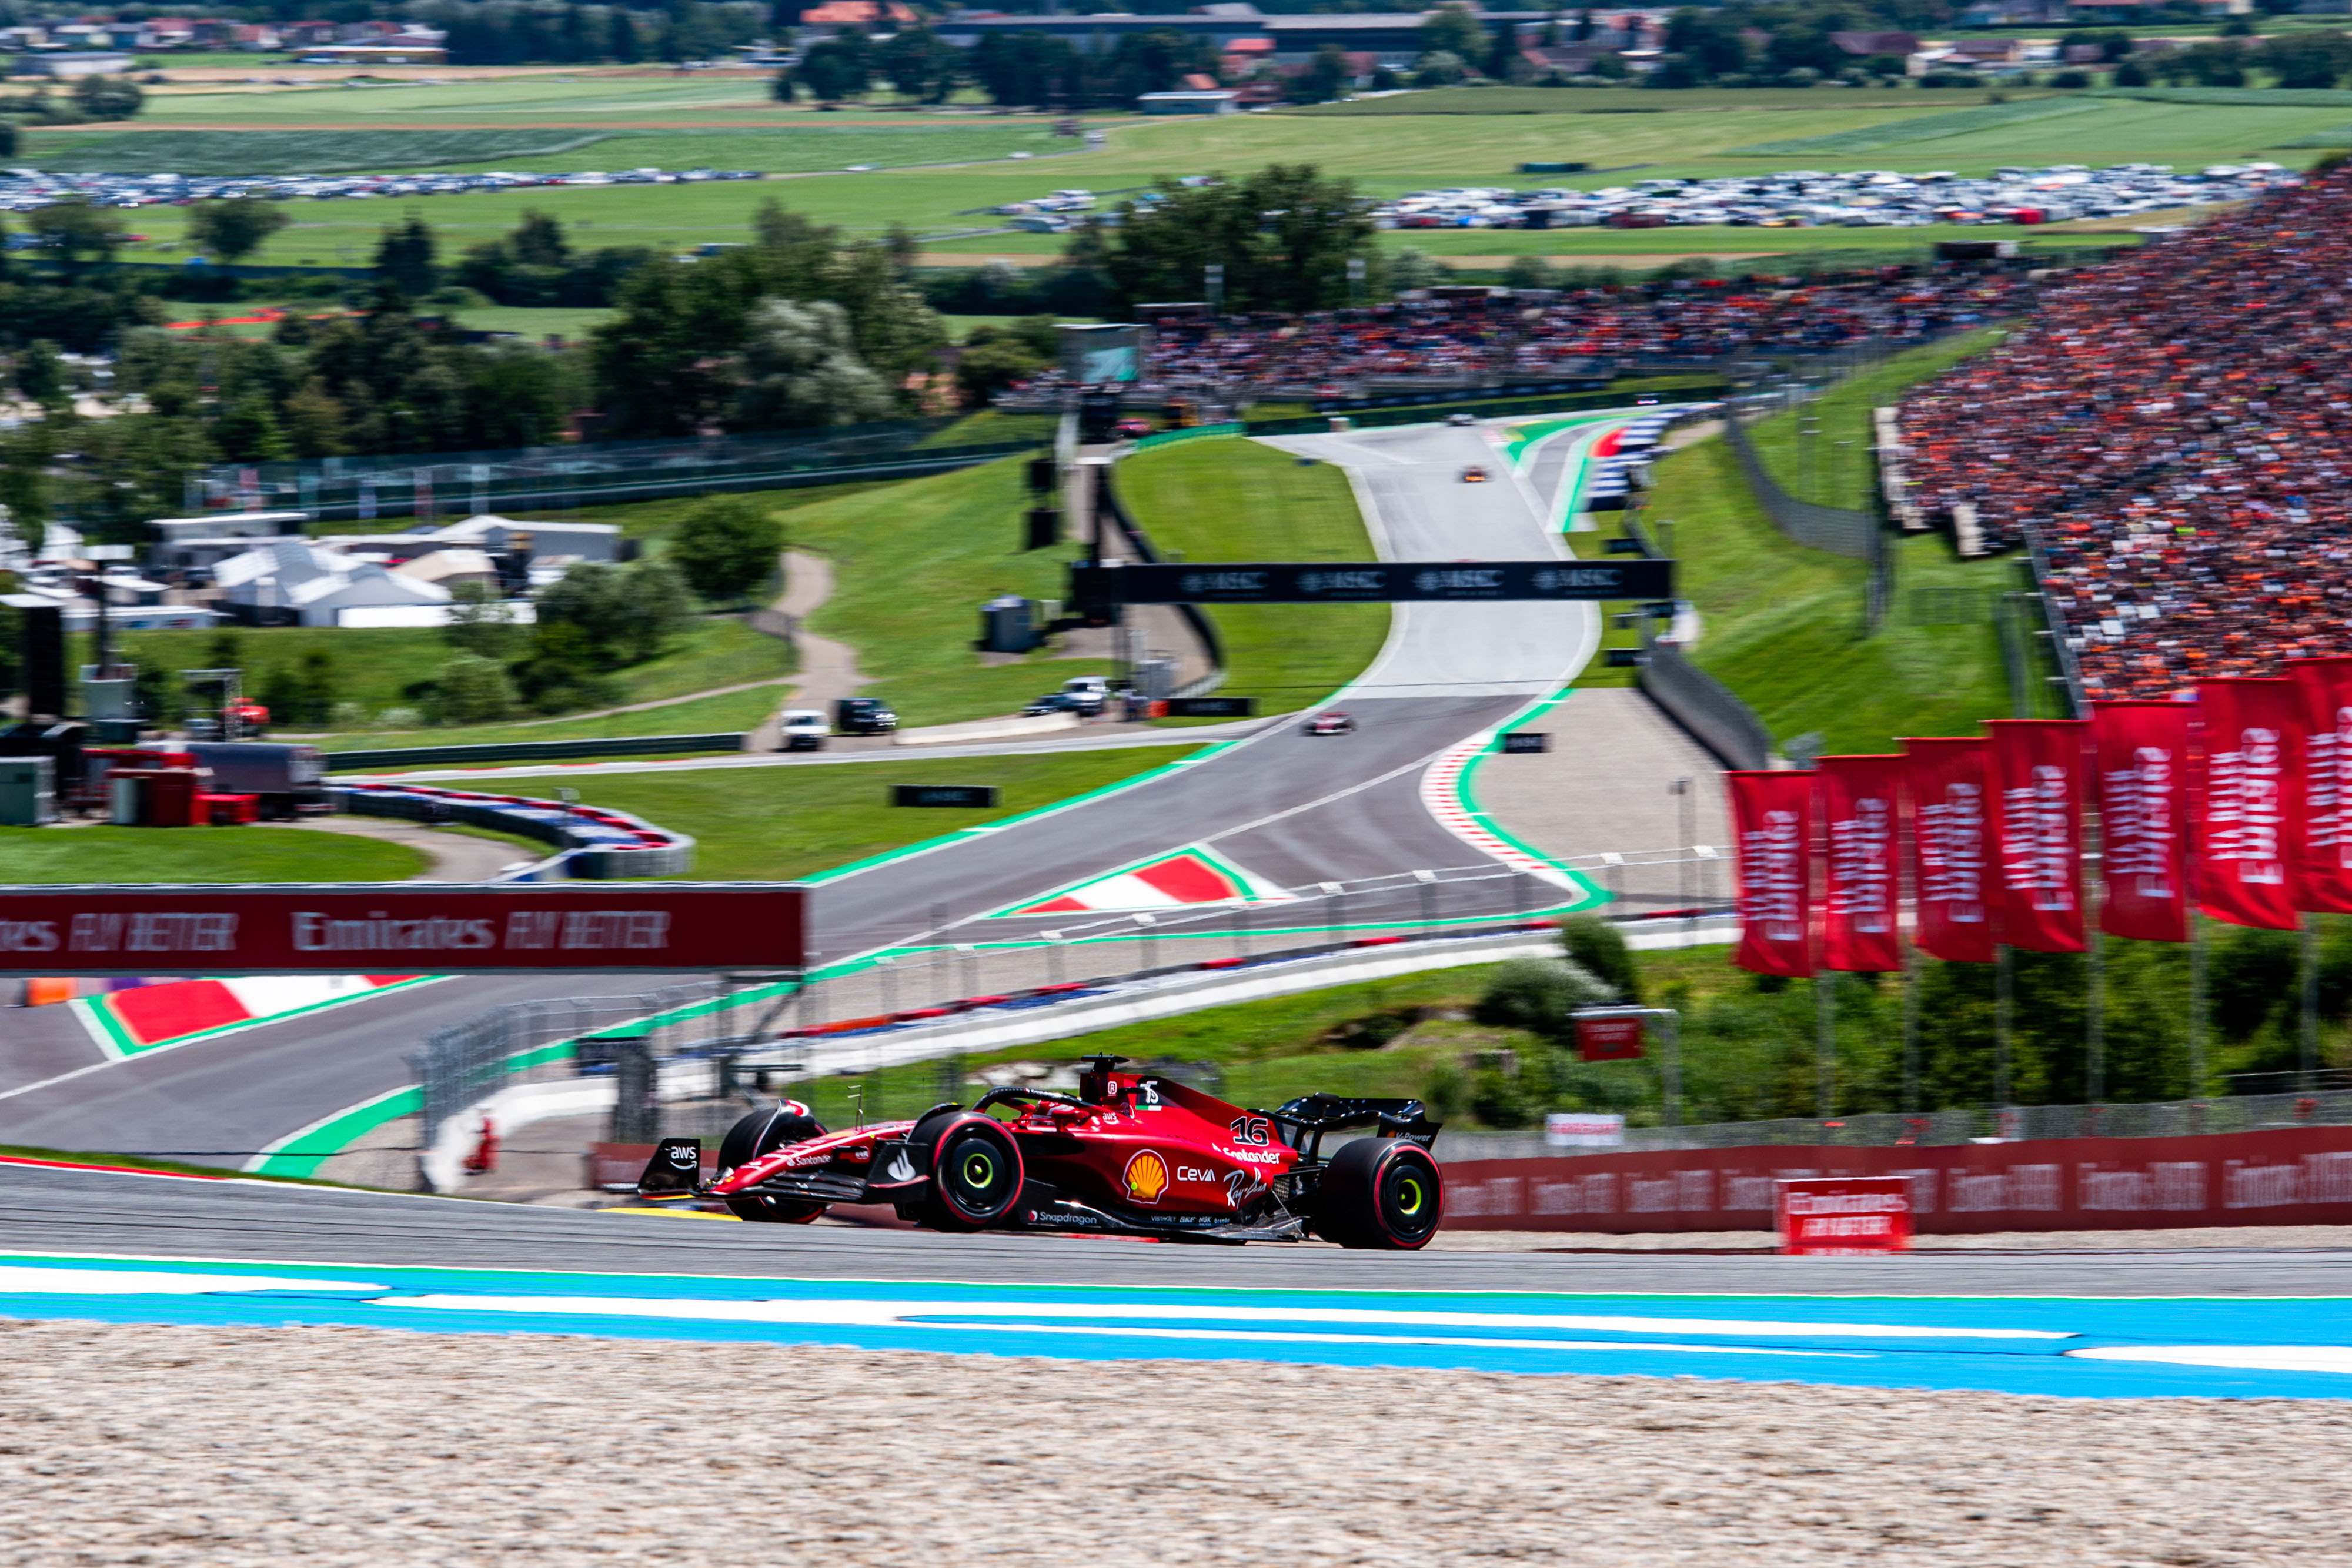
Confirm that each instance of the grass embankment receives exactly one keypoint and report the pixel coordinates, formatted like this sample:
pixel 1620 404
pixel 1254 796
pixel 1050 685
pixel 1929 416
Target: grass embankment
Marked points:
pixel 767 823
pixel 1783 625
pixel 372 667
pixel 97 854
pixel 1236 500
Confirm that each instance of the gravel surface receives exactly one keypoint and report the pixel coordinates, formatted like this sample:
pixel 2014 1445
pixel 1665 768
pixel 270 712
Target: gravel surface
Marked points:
pixel 172 1445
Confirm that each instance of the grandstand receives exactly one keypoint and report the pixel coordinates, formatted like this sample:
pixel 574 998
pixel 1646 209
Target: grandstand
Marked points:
pixel 1467 336
pixel 2174 431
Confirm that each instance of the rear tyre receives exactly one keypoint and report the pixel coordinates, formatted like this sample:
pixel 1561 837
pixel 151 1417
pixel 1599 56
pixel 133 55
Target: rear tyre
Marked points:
pixel 975 1175
pixel 764 1133
pixel 1383 1194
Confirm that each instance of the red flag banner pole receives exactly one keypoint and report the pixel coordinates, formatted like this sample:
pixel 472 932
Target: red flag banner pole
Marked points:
pixel 1860 799
pixel 2245 796
pixel 2142 794
pixel 2037 768
pixel 2323 851
pixel 1951 849
pixel 1771 822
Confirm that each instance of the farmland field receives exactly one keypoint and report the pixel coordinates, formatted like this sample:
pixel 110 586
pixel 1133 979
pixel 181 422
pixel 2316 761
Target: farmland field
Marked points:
pixel 727 124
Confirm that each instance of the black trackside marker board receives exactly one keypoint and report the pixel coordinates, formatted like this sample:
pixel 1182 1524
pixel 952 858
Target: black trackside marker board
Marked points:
pixel 1326 582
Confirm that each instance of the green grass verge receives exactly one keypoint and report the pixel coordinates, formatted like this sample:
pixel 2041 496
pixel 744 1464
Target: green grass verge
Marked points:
pixel 374 666
pixel 1236 500
pixel 533 322
pixel 1626 101
pixel 1927 128
pixel 1834 467
pixel 293 152
pixel 142 1163
pixel 735 711
pixel 1783 625
pixel 97 854
pixel 763 823
pixel 2236 97
pixel 913 562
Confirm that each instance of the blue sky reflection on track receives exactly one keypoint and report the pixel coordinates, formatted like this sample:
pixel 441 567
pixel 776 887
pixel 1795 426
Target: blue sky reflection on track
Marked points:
pixel 2238 1348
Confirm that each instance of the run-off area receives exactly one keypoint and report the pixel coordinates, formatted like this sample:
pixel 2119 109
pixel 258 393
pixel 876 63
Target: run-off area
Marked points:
pixel 235 1442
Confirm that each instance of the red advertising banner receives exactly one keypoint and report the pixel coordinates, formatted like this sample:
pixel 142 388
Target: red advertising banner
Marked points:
pixel 1860 802
pixel 1771 819
pixel 364 928
pixel 2143 755
pixel 1609 1039
pixel 1834 1217
pixel 2323 855
pixel 2299 1175
pixel 2245 800
pixel 2036 767
pixel 1951 849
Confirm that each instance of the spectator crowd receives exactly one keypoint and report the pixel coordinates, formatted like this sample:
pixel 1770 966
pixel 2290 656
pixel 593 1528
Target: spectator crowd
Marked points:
pixel 2173 431
pixel 1541 334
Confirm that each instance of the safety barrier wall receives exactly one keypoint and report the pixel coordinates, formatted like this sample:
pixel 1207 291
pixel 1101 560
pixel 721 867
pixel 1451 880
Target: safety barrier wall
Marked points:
pixel 2283 1177
pixel 1491 408
pixel 1704 706
pixel 528 751
pixel 1196 619
pixel 598 844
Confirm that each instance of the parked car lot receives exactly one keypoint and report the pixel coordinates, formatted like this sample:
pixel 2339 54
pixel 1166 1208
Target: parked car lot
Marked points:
pixel 24 191
pixel 1865 198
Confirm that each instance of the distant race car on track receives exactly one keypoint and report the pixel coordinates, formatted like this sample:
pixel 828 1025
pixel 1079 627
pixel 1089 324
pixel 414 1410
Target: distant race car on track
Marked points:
pixel 1333 722
pixel 1473 475
pixel 1131 1153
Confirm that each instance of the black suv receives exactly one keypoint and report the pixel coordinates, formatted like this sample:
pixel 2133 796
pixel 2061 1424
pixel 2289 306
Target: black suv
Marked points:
pixel 863 715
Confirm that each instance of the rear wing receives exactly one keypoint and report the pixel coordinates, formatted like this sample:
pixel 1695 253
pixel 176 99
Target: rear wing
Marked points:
pixel 1305 1120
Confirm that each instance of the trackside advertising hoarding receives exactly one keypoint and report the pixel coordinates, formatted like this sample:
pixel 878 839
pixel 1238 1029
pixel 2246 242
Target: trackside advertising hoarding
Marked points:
pixel 353 928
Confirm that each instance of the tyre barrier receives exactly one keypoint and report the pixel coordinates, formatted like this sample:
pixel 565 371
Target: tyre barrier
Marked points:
pixel 594 844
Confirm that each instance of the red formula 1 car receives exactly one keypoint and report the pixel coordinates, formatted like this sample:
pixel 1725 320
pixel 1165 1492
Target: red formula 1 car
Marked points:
pixel 1129 1154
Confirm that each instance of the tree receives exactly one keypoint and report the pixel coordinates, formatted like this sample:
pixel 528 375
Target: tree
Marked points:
pixel 1711 42
pixel 1439 67
pixel 1504 62
pixel 991 364
pixel 2307 60
pixel 1284 237
pixel 404 256
pixel 1412 268
pixel 919 64
pixel 1536 994
pixel 2131 73
pixel 727 546
pixel 1023 69
pixel 835 69
pixel 625 616
pixel 40 375
pixel 471 689
pixel 1599 948
pixel 108 98
pixel 79 235
pixel 235 229
pixel 480 623
pixel 800 368
pixel 1453 28
pixel 1324 78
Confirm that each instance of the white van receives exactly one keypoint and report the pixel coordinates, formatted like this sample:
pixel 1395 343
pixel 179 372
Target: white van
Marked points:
pixel 803 729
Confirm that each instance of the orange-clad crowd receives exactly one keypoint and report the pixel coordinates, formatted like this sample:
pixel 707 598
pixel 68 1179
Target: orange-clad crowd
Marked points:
pixel 1542 331
pixel 2173 431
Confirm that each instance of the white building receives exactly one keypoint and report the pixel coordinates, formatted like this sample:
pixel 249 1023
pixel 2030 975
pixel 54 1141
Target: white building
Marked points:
pixel 286 582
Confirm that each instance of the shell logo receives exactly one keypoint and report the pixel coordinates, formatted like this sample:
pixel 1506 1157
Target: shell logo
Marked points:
pixel 1146 1176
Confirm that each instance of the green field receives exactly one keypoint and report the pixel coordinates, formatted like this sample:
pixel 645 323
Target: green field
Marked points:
pixel 763 823
pixel 199 854
pixel 913 562
pixel 1236 500
pixel 291 151
pixel 1784 626
pixel 1388 150
pixel 371 666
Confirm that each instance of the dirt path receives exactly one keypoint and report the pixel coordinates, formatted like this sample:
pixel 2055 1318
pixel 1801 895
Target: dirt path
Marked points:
pixel 453 857
pixel 828 669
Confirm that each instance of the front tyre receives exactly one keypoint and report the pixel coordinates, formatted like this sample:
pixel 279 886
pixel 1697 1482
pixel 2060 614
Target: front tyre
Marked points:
pixel 1382 1193
pixel 975 1175
pixel 764 1133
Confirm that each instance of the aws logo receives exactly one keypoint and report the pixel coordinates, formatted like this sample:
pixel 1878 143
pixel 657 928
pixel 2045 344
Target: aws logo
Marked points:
pixel 1145 1177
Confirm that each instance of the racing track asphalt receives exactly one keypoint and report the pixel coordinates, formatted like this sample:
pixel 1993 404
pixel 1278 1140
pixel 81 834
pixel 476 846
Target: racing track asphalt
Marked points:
pixel 45 1210
pixel 1292 808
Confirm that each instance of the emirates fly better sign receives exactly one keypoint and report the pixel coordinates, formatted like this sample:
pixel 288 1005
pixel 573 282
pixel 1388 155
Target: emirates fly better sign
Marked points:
pixel 346 928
